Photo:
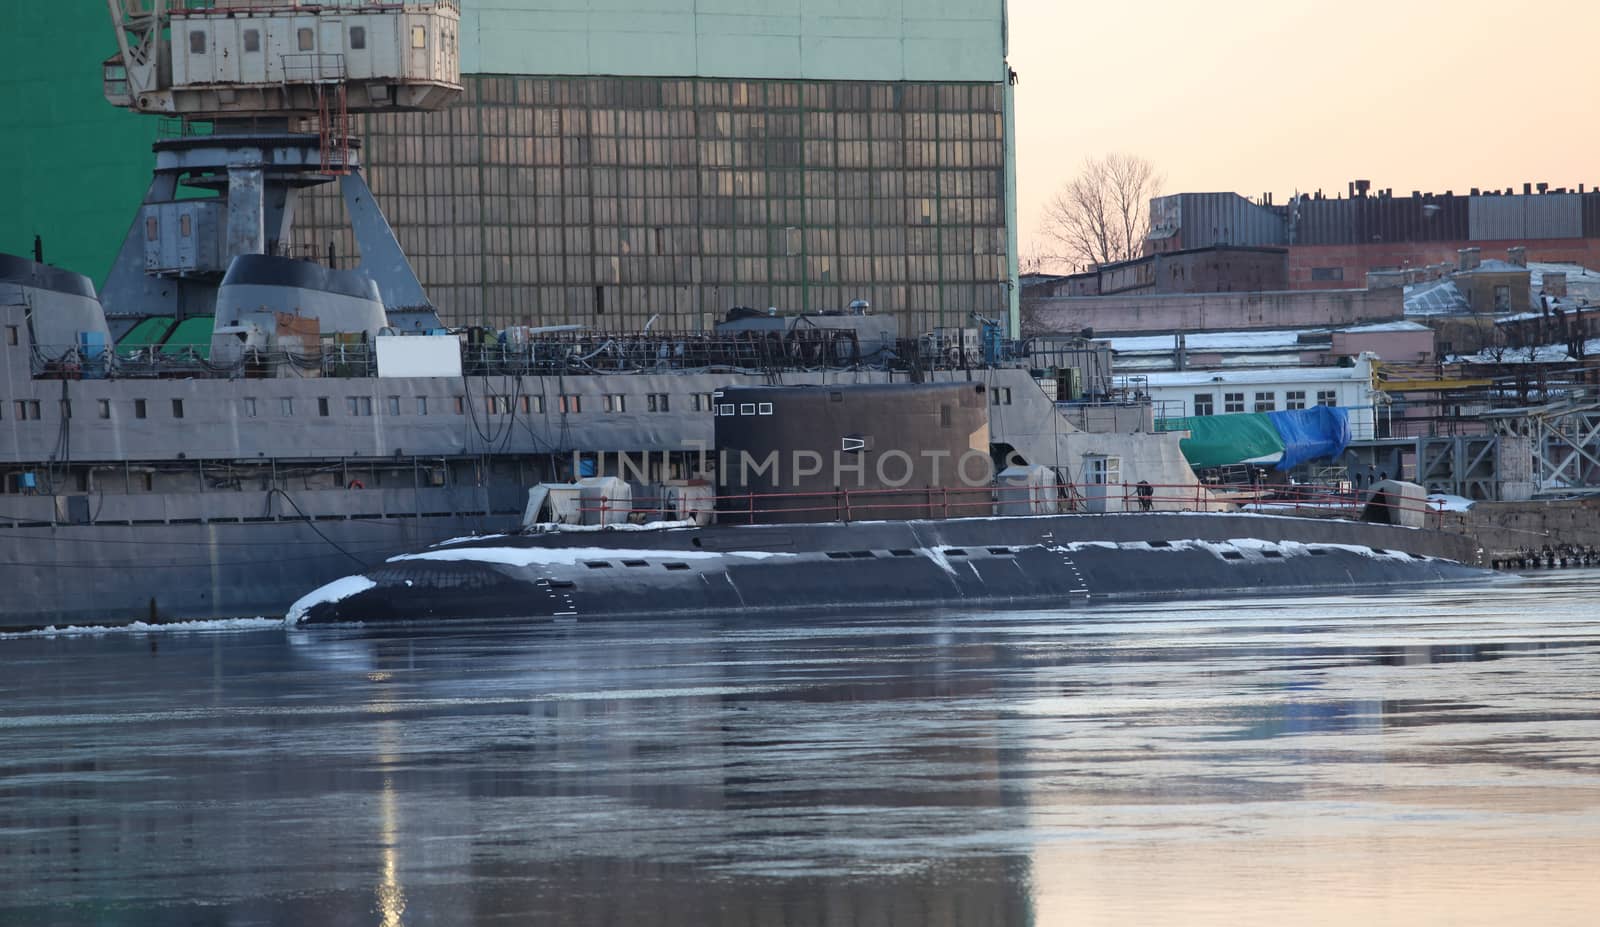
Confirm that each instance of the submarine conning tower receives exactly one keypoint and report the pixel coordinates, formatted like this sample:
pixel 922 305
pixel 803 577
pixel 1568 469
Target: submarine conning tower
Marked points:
pixel 852 453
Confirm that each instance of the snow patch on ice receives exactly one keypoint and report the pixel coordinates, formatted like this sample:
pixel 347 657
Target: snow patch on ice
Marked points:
pixel 142 627
pixel 336 591
pixel 468 537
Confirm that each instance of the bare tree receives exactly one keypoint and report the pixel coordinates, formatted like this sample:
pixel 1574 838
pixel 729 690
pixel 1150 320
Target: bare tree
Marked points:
pixel 1101 216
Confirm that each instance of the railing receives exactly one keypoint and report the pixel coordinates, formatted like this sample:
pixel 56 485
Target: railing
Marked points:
pixel 520 354
pixel 307 6
pixel 307 67
pixel 867 504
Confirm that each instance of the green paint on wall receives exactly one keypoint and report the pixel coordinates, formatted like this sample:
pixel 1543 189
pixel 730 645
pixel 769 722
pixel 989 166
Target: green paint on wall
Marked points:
pixel 73 168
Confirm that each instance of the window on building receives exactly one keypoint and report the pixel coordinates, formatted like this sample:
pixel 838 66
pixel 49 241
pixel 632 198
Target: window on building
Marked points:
pixel 497 405
pixel 12 336
pixel 358 405
pixel 177 408
pixel 358 37
pixel 105 408
pixel 252 40
pixel 1294 399
pixel 286 406
pixel 1502 299
pixel 306 40
pixel 656 402
pixel 138 408
pixel 322 406
pixel 1327 397
pixel 701 402
pixel 1327 273
pixel 1266 402
pixel 394 405
pixel 248 404
pixel 419 39
pixel 1000 395
pixel 571 403
pixel 615 402
pixel 461 405
pixel 1232 402
pixel 151 229
pixel 1204 404
pixel 185 225
pixel 66 408
pixel 422 405
pixel 197 42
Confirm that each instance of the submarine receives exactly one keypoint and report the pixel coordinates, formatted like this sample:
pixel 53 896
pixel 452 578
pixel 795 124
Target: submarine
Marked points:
pixel 873 498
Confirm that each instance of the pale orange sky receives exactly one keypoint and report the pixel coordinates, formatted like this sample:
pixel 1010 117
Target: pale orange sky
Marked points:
pixel 1252 96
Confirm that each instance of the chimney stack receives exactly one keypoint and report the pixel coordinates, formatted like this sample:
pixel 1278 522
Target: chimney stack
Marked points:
pixel 1517 255
pixel 1469 258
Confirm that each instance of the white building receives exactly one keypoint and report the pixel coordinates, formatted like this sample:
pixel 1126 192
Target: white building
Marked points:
pixel 1177 394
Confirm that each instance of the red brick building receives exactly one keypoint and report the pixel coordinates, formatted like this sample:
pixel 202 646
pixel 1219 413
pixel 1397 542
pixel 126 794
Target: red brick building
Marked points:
pixel 1334 242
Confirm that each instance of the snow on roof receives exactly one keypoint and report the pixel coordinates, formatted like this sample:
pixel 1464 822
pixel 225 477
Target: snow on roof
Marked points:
pixel 1436 297
pixel 1214 341
pixel 1543 354
pixel 1537 270
pixel 1256 376
pixel 1495 266
pixel 1400 326
pixel 1300 339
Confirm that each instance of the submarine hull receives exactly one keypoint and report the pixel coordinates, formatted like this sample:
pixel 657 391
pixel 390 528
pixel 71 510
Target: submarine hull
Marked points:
pixel 978 562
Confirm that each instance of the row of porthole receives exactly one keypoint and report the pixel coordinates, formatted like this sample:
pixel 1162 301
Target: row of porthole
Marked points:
pixel 1273 554
pixel 606 564
pixel 744 408
pixel 903 552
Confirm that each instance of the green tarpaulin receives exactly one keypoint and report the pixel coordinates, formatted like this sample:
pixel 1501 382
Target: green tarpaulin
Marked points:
pixel 190 335
pixel 147 334
pixel 1220 440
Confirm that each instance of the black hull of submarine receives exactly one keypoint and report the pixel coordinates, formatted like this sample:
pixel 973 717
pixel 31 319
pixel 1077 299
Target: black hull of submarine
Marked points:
pixel 1033 561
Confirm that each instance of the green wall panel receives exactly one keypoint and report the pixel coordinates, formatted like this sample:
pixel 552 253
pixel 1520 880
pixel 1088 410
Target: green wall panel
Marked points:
pixel 74 166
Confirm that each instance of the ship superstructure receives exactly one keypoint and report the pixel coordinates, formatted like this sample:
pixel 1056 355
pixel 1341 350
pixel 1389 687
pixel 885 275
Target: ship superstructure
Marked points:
pixel 229 424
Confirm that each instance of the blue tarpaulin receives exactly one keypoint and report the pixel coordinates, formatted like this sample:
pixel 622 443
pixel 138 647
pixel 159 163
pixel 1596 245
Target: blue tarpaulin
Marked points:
pixel 1309 434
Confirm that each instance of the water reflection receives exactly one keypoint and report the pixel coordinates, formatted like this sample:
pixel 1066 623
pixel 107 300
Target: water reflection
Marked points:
pixel 1430 756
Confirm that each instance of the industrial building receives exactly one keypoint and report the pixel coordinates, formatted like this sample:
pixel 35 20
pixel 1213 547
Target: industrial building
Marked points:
pixel 1217 269
pixel 619 163
pixel 1335 241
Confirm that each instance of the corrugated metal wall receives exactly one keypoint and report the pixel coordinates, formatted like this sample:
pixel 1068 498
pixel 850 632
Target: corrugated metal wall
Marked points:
pixel 1551 215
pixel 604 201
pixel 1380 219
pixel 1208 219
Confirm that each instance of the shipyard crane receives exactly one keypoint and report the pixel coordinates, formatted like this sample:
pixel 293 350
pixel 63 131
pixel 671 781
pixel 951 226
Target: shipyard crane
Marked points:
pixel 261 92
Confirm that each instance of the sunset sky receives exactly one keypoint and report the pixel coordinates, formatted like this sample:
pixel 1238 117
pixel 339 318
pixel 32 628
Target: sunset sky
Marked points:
pixel 1253 96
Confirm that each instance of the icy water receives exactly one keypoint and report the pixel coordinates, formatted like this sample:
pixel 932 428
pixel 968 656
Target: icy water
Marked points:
pixel 1421 758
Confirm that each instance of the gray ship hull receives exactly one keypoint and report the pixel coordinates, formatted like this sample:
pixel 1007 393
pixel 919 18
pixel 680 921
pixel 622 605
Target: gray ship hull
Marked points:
pixel 98 574
pixel 977 563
